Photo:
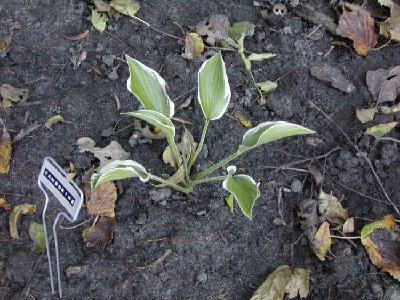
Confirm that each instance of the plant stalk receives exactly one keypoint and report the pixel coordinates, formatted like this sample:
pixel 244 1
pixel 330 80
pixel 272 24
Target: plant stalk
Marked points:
pixel 175 152
pixel 200 146
pixel 173 185
pixel 210 179
pixel 217 165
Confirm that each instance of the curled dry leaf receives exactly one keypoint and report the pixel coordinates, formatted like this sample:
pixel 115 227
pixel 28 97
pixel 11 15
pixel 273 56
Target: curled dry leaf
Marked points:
pixel 125 7
pixel 23 209
pixel 309 218
pixel 53 120
pixel 5 45
pixel 36 233
pixel 4 204
pixel 194 45
pixel 77 37
pixel 322 241
pixel 384 85
pixel 100 233
pixel 25 131
pixel 242 119
pixel 215 28
pixel 330 208
pixel 348 226
pixel 8 92
pixel 378 131
pixel 5 150
pixel 333 76
pixel 359 26
pixel 391 28
pixel 102 200
pixel 284 280
pixel 381 240
pixel 106 155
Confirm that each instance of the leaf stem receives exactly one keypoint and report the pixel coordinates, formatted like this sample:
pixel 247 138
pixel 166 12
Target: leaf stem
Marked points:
pixel 217 165
pixel 200 146
pixel 209 179
pixel 175 152
pixel 346 237
pixel 173 185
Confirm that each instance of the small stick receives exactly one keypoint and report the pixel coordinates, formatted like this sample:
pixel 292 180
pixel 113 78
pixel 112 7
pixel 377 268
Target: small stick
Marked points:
pixel 77 225
pixel 158 261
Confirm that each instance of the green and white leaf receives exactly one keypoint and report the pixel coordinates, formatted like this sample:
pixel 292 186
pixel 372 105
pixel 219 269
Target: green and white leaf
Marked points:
pixel 213 88
pixel 270 131
pixel 267 86
pixel 229 202
pixel 120 169
pixel 156 119
pixel 244 189
pixel 99 20
pixel 149 88
pixel 260 56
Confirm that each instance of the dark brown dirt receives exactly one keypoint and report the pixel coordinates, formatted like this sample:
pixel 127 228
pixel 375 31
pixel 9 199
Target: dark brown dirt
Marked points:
pixel 215 254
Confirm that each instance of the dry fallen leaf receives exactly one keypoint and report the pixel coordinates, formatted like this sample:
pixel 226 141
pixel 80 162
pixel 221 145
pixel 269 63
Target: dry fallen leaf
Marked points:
pixel 390 110
pixel 8 92
pixel 100 233
pixel 242 119
pixel 5 150
pixel 359 26
pixel 25 131
pixel 5 45
pixel 77 37
pixel 125 7
pixel 322 241
pixel 384 85
pixel 381 240
pixel 106 155
pixel 309 217
pixel 194 45
pixel 348 226
pixel 330 208
pixel 391 29
pixel 378 131
pixel 284 280
pixel 366 114
pixel 102 200
pixel 23 209
pixel 53 120
pixel 215 28
pixel 5 104
pixel 4 204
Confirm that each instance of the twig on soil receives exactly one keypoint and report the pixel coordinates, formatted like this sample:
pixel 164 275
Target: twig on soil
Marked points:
pixel 42 77
pixel 158 261
pixel 77 225
pixel 12 194
pixel 390 139
pixel 286 166
pixel 363 155
pixel 307 12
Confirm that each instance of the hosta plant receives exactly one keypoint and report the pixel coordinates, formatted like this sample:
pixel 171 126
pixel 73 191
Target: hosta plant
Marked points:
pixel 213 95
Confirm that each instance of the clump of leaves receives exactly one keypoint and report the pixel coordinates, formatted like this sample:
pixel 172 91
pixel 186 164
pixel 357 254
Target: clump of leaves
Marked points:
pixel 213 95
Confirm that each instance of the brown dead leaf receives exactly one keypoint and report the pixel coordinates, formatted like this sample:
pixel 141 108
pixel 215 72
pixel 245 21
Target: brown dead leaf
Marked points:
pixel 5 150
pixel 5 104
pixel 25 131
pixel 391 29
pixel 5 45
pixel 87 188
pixel 309 218
pixel 330 208
pixel 381 240
pixel 100 233
pixel 242 119
pixel 322 241
pixel 215 28
pixel 358 26
pixel 384 85
pixel 194 45
pixel 284 280
pixel 23 209
pixel 77 37
pixel 8 92
pixel 102 200
pixel 106 155
pixel 348 226
pixel 4 204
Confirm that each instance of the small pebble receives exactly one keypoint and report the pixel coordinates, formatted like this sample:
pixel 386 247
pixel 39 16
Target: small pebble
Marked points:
pixel 202 277
pixel 141 219
pixel 296 186
pixel 107 132
pixel 202 212
pixel 158 195
pixel 108 60
pixel 74 270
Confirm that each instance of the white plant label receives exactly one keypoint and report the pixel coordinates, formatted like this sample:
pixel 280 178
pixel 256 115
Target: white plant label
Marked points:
pixel 65 190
